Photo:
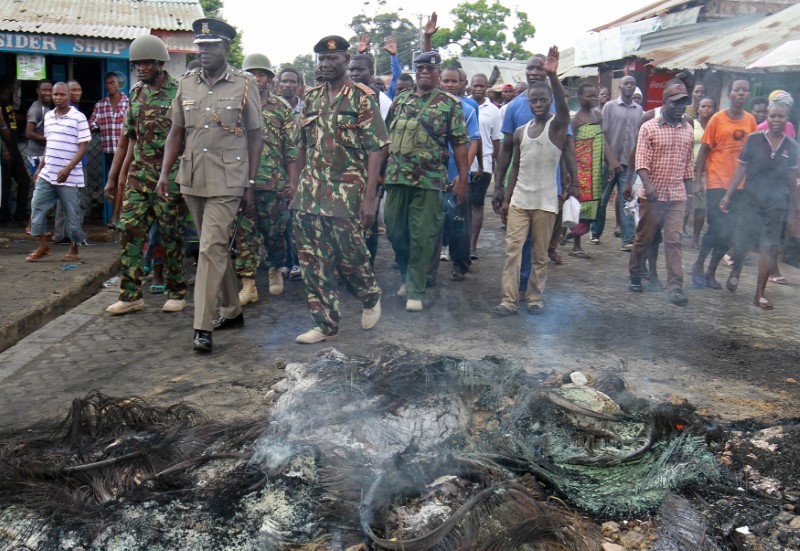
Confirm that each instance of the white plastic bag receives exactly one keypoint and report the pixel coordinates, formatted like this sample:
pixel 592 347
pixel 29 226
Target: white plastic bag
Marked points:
pixel 571 213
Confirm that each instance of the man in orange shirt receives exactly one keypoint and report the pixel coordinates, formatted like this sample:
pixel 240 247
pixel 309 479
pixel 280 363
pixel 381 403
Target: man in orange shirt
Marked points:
pixel 722 142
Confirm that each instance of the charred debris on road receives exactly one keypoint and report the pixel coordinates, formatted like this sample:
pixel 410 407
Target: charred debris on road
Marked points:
pixel 403 451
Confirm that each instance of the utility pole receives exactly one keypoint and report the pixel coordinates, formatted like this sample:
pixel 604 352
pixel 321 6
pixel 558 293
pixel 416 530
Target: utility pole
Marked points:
pixel 421 35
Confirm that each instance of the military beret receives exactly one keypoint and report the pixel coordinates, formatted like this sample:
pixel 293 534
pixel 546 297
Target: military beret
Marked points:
pixel 331 43
pixel 430 58
pixel 212 30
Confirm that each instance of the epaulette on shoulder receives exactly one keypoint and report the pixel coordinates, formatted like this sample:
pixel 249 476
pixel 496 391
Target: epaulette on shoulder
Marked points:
pixel 316 88
pixel 451 96
pixel 191 73
pixel 135 89
pixel 281 101
pixel 364 88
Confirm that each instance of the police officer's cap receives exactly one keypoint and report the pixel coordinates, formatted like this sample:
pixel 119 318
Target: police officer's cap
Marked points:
pixel 331 44
pixel 428 58
pixel 212 30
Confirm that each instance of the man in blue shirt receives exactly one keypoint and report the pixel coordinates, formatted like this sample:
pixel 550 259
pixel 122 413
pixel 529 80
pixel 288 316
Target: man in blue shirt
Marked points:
pixel 518 113
pixel 455 233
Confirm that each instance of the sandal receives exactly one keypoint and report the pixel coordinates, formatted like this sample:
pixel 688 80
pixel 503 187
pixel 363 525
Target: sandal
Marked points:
pixel 732 284
pixel 780 280
pixel 69 257
pixel 579 254
pixel 37 255
pixel 157 288
pixel 763 303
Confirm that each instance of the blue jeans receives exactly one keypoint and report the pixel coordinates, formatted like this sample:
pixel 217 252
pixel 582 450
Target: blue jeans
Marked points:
pixel 626 226
pixel 45 196
pixel 153 242
pixel 526 266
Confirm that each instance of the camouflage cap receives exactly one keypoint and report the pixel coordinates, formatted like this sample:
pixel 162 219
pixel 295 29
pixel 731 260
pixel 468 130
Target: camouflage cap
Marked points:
pixel 332 43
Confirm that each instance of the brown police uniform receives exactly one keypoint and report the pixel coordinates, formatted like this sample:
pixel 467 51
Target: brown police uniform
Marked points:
pixel 213 175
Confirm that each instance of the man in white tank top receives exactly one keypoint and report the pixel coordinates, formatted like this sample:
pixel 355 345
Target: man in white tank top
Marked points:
pixel 531 200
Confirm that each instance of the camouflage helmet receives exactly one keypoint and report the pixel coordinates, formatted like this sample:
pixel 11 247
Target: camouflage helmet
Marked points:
pixel 148 47
pixel 257 61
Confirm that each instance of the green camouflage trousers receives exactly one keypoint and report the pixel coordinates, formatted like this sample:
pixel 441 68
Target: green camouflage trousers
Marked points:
pixel 266 223
pixel 139 210
pixel 328 247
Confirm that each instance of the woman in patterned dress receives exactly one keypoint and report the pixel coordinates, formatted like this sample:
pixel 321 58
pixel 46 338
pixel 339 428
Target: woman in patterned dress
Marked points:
pixel 589 151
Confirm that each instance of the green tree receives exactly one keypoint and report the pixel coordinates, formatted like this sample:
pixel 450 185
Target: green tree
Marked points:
pixel 213 8
pixel 305 65
pixel 481 31
pixel 380 26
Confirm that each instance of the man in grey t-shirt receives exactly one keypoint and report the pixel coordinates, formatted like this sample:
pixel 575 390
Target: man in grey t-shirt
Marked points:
pixel 34 131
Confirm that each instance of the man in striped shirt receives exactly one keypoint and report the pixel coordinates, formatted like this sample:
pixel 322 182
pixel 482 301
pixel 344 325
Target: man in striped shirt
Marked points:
pixel 60 173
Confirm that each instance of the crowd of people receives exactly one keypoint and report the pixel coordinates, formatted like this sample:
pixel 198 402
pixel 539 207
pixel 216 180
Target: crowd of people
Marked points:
pixel 236 160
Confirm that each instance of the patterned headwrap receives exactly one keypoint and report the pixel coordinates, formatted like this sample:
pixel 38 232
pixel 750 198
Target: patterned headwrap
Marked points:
pixel 781 97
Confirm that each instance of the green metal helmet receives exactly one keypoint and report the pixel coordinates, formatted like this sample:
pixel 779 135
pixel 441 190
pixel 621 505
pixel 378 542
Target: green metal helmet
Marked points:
pixel 148 47
pixel 257 61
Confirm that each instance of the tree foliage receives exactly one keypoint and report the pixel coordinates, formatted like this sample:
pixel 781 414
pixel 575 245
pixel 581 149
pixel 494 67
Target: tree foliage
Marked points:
pixel 480 30
pixel 381 25
pixel 213 8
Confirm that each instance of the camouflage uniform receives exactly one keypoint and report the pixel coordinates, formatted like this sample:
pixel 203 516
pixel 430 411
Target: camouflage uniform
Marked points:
pixel 337 138
pixel 270 215
pixel 420 128
pixel 147 123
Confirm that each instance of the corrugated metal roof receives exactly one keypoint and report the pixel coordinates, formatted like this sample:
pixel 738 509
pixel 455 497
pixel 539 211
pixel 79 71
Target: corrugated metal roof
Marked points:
pixel 123 19
pixel 651 10
pixel 75 29
pixel 668 43
pixel 785 57
pixel 734 50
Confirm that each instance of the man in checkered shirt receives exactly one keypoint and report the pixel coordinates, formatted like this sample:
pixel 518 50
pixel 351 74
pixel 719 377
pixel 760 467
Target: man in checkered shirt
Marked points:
pixel 664 161
pixel 109 117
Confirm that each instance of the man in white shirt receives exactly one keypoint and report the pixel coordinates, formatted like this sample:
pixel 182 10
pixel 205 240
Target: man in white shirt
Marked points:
pixel 59 176
pixel 482 168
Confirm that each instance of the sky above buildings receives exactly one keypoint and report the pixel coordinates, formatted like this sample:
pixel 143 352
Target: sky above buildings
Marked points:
pixel 284 29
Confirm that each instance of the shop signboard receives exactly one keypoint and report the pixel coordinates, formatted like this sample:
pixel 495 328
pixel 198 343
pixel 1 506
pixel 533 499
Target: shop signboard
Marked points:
pixel 43 44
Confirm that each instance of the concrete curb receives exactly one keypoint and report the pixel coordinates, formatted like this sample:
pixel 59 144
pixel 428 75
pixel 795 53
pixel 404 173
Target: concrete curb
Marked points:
pixel 18 327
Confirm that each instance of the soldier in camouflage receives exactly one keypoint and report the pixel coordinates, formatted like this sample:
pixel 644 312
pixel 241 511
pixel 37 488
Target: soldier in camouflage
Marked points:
pixel 147 124
pixel 342 147
pixel 274 188
pixel 422 122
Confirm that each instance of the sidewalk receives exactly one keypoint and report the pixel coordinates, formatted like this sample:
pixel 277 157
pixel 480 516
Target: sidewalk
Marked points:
pixel 34 293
